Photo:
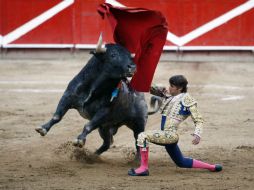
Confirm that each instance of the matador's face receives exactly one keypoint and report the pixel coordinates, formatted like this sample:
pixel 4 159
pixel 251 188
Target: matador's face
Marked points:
pixel 174 90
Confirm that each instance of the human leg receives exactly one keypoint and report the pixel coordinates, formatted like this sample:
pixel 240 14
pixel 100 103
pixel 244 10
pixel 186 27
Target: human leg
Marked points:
pixel 185 162
pixel 142 170
pixel 177 156
pixel 203 165
pixel 157 137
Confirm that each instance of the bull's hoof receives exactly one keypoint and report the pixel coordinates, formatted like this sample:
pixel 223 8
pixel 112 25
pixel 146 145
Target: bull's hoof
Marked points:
pixel 79 143
pixel 41 130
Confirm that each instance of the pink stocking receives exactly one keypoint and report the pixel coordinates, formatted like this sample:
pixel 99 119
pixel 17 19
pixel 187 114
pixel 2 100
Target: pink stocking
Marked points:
pixel 144 160
pixel 202 165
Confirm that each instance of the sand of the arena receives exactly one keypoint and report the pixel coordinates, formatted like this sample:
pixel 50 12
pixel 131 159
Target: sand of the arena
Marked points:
pixel 30 91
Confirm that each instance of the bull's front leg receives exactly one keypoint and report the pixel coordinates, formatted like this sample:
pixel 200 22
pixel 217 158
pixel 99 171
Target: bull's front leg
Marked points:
pixel 99 118
pixel 63 106
pixel 138 126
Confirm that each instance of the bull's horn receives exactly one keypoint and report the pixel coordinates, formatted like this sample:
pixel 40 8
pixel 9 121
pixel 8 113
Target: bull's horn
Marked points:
pixel 133 55
pixel 99 48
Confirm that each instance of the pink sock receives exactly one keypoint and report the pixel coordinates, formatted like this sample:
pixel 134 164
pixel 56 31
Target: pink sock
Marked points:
pixel 144 160
pixel 203 165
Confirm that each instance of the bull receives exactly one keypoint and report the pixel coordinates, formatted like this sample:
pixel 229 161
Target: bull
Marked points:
pixel 100 93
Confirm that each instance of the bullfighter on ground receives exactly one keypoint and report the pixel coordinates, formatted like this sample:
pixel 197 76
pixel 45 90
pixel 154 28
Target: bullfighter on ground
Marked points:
pixel 175 109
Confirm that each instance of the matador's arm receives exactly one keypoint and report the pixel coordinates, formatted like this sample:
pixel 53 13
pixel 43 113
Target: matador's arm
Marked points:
pixel 197 118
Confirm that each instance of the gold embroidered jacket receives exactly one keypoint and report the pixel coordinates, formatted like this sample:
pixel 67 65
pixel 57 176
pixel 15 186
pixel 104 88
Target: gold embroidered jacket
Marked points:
pixel 177 109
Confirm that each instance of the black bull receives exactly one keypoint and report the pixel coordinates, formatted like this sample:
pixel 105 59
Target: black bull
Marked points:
pixel 90 93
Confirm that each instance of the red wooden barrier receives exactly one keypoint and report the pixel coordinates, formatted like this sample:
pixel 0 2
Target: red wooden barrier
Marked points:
pixel 193 24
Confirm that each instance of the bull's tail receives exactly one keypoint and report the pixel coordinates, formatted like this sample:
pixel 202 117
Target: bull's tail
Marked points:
pixel 155 103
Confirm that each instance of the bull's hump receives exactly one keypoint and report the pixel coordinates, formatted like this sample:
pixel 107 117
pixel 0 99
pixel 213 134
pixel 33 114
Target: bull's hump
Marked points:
pixel 91 69
pixel 86 76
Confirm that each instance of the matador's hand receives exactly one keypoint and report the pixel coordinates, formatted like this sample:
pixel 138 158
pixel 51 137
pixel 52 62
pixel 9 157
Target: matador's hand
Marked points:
pixel 196 139
pixel 158 90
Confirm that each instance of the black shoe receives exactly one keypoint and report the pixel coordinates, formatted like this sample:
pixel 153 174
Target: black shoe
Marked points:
pixel 218 168
pixel 132 172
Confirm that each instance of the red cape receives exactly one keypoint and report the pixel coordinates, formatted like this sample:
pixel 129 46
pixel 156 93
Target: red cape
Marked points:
pixel 142 32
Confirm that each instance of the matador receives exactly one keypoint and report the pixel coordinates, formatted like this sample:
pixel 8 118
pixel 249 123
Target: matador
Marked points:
pixel 174 110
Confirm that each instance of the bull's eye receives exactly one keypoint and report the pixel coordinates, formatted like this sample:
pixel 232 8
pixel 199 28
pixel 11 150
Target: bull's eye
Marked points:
pixel 113 55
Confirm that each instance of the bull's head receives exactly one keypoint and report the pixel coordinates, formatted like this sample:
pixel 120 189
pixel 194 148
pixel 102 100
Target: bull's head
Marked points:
pixel 117 60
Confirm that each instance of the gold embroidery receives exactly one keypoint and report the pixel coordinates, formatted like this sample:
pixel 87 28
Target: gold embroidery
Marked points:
pixel 171 109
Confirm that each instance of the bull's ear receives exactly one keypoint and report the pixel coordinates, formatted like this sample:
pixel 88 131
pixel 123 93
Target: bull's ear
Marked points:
pixel 93 52
pixel 99 56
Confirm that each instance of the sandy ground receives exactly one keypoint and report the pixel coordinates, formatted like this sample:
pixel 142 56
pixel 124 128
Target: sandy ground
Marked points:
pixel 29 93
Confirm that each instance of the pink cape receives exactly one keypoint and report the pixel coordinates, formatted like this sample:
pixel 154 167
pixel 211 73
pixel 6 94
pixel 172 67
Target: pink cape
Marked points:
pixel 142 32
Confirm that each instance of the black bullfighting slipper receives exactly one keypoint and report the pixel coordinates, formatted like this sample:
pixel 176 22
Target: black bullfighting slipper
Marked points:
pixel 218 168
pixel 132 172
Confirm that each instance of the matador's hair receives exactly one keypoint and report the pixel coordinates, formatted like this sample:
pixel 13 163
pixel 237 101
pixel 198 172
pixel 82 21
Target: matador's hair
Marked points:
pixel 179 81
